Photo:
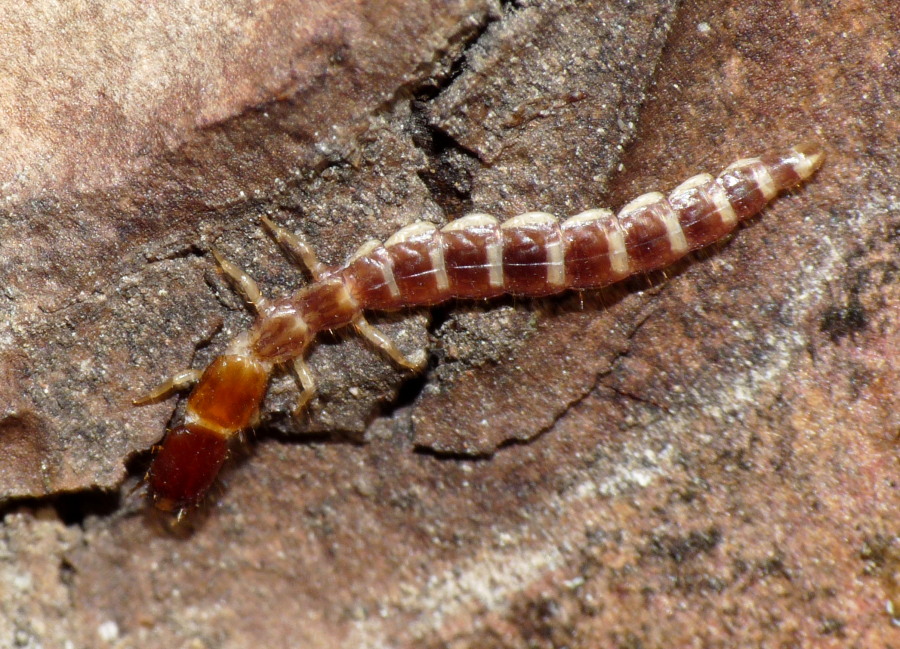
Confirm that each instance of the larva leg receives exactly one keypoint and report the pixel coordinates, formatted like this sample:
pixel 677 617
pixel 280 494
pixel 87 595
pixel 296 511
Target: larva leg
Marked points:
pixel 307 385
pixel 385 344
pixel 295 247
pixel 244 284
pixel 176 383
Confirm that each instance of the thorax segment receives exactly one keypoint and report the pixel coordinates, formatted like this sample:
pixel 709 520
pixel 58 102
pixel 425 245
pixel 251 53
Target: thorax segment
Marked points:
pixel 286 326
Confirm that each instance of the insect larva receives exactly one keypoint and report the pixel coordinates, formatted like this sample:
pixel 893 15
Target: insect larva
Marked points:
pixel 472 257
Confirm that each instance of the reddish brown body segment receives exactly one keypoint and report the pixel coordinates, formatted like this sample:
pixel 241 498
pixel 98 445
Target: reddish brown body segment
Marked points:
pixel 473 257
pixel 226 400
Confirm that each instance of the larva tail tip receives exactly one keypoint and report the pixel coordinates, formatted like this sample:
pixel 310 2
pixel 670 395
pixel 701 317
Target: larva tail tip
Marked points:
pixel 812 154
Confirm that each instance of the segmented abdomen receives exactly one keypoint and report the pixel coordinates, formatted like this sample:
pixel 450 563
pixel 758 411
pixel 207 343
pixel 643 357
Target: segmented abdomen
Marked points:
pixel 533 254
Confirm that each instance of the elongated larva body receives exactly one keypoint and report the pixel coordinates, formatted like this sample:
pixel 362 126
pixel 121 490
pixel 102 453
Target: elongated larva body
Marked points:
pixel 475 256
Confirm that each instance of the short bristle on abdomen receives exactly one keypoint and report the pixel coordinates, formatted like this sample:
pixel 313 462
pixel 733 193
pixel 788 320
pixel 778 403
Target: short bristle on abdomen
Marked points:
pixel 534 255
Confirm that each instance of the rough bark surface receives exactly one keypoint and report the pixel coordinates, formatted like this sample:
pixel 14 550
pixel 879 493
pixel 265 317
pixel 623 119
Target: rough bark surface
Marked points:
pixel 704 457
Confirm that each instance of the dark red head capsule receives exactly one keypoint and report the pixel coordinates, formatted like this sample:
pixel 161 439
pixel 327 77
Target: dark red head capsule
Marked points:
pixel 186 466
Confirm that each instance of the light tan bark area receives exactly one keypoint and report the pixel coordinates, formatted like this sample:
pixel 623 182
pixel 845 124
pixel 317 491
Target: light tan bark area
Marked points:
pixel 704 457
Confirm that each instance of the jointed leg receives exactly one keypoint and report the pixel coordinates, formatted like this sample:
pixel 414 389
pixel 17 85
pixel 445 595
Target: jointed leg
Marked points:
pixel 386 345
pixel 180 381
pixel 307 385
pixel 244 284
pixel 296 248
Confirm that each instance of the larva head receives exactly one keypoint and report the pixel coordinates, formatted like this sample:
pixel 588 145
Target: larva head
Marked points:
pixel 186 465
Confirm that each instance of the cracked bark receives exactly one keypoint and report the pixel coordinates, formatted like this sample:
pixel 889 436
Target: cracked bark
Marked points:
pixel 708 454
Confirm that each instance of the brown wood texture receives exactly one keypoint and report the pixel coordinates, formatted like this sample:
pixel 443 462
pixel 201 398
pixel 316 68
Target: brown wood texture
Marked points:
pixel 703 457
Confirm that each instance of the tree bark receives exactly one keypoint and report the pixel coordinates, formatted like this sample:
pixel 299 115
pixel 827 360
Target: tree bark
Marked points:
pixel 705 455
